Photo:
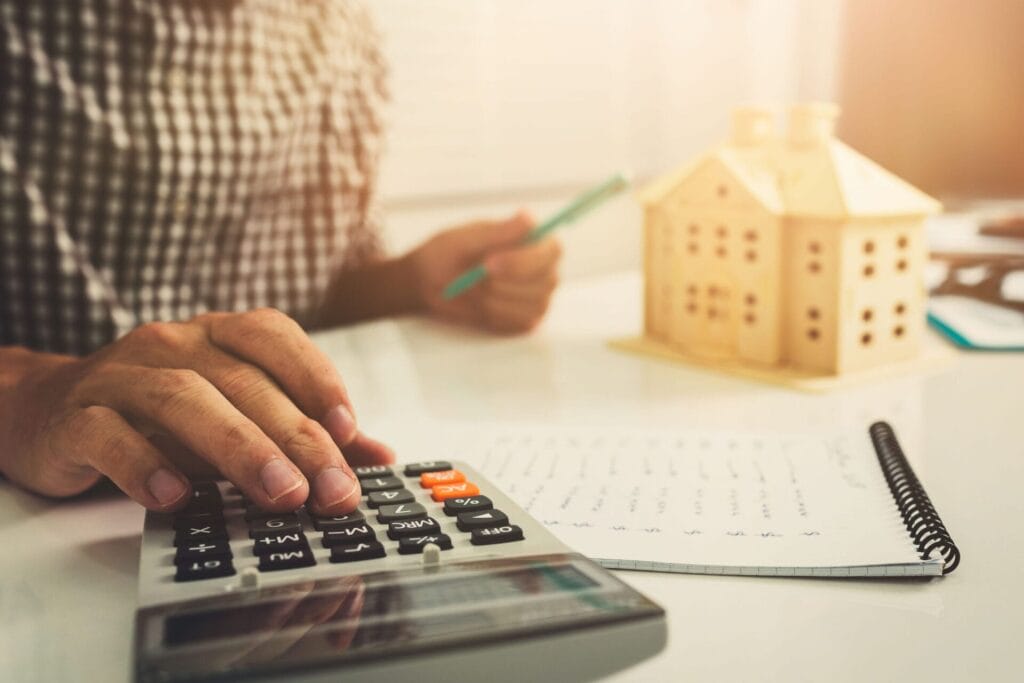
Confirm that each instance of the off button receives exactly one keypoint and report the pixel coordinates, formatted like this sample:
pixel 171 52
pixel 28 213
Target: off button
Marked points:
pixel 499 534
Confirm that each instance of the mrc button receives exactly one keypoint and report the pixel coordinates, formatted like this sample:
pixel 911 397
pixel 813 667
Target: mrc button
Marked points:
pixel 413 527
pixel 417 468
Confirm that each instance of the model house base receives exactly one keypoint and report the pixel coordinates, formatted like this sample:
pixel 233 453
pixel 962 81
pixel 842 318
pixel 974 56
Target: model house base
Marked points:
pixel 933 357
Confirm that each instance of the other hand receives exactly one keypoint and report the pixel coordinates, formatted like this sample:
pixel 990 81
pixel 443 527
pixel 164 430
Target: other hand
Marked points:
pixel 520 278
pixel 248 393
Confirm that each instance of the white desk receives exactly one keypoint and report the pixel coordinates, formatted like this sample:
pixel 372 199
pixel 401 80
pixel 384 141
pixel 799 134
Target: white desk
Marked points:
pixel 68 570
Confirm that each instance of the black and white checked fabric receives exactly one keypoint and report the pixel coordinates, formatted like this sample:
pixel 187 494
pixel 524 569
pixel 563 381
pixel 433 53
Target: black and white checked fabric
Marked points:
pixel 162 158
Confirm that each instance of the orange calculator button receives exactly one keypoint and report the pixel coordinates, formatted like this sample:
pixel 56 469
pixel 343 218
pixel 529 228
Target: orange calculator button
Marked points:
pixel 429 480
pixel 443 492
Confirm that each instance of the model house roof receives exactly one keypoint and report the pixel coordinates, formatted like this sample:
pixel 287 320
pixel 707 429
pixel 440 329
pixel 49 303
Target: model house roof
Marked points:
pixel 807 173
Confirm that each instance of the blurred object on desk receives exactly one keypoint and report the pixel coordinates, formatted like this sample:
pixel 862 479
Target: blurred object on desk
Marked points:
pixel 976 279
pixel 1011 226
pixel 932 90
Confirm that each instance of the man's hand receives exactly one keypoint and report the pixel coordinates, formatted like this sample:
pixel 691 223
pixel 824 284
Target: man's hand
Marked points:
pixel 248 393
pixel 520 278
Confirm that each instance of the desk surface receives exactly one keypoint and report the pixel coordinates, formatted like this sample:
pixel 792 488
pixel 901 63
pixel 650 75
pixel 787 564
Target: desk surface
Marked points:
pixel 68 569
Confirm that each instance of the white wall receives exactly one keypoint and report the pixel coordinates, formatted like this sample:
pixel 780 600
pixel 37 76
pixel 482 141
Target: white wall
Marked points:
pixel 501 104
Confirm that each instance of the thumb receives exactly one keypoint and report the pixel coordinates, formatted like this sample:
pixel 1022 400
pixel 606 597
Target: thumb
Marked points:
pixel 480 238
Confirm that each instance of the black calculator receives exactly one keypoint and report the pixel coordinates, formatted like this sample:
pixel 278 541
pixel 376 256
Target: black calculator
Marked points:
pixel 435 576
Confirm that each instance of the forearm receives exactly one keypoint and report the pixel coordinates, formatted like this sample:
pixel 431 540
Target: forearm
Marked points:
pixel 376 290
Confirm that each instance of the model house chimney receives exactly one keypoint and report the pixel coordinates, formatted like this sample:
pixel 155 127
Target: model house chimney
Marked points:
pixel 812 123
pixel 752 125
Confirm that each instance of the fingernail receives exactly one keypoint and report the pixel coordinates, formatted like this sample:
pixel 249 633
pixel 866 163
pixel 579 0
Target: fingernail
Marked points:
pixel 278 479
pixel 340 424
pixel 166 487
pixel 333 486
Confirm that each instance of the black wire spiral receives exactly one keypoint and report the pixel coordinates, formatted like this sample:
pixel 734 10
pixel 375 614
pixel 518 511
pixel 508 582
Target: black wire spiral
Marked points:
pixel 923 522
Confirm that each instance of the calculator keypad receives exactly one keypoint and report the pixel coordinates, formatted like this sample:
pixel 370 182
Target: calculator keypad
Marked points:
pixel 280 542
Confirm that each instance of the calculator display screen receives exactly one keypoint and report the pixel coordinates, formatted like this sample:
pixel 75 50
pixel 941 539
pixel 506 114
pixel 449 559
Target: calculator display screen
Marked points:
pixel 341 601
pixel 354 619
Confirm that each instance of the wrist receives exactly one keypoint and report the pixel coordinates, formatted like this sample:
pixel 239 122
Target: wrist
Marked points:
pixel 376 290
pixel 21 374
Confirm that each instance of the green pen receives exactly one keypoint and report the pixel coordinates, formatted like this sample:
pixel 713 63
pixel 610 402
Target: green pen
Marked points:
pixel 576 208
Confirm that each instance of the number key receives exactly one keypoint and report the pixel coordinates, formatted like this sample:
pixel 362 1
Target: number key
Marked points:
pixel 380 484
pixel 370 471
pixel 337 521
pixel 378 498
pixel 281 524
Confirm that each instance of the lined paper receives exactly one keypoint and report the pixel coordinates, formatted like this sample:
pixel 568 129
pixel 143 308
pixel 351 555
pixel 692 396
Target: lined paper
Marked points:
pixel 703 502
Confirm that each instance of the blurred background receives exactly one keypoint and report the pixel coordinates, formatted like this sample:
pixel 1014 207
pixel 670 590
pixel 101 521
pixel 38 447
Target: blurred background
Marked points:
pixel 500 104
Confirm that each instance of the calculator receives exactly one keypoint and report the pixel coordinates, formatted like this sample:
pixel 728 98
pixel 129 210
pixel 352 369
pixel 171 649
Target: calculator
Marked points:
pixel 436 575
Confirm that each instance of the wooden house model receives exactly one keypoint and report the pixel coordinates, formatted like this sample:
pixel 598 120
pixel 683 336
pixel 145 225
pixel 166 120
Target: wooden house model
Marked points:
pixel 786 252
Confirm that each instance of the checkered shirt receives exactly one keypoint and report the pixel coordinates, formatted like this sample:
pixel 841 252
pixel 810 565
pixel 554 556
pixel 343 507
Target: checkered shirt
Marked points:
pixel 162 158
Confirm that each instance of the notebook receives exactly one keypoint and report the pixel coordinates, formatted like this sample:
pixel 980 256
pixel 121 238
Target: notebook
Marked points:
pixel 720 503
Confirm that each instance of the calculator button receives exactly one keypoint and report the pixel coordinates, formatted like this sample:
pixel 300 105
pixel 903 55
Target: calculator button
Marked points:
pixel 418 468
pixel 395 513
pixel 353 534
pixel 200 532
pixel 380 484
pixel 253 511
pixel 205 497
pixel 337 521
pixel 370 471
pixel 204 569
pixel 454 506
pixel 272 543
pixel 429 480
pixel 287 559
pixel 182 521
pixel 445 491
pixel 194 552
pixel 498 534
pixel 280 524
pixel 411 545
pixel 378 498
pixel 413 527
pixel 367 550
pixel 467 521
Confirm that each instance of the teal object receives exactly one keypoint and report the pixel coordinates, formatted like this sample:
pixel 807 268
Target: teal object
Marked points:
pixel 573 210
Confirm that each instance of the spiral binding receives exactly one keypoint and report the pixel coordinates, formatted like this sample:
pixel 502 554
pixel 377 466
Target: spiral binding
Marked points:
pixel 919 515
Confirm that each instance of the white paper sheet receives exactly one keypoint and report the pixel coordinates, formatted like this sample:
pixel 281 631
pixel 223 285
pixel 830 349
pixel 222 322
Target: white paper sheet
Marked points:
pixel 710 503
